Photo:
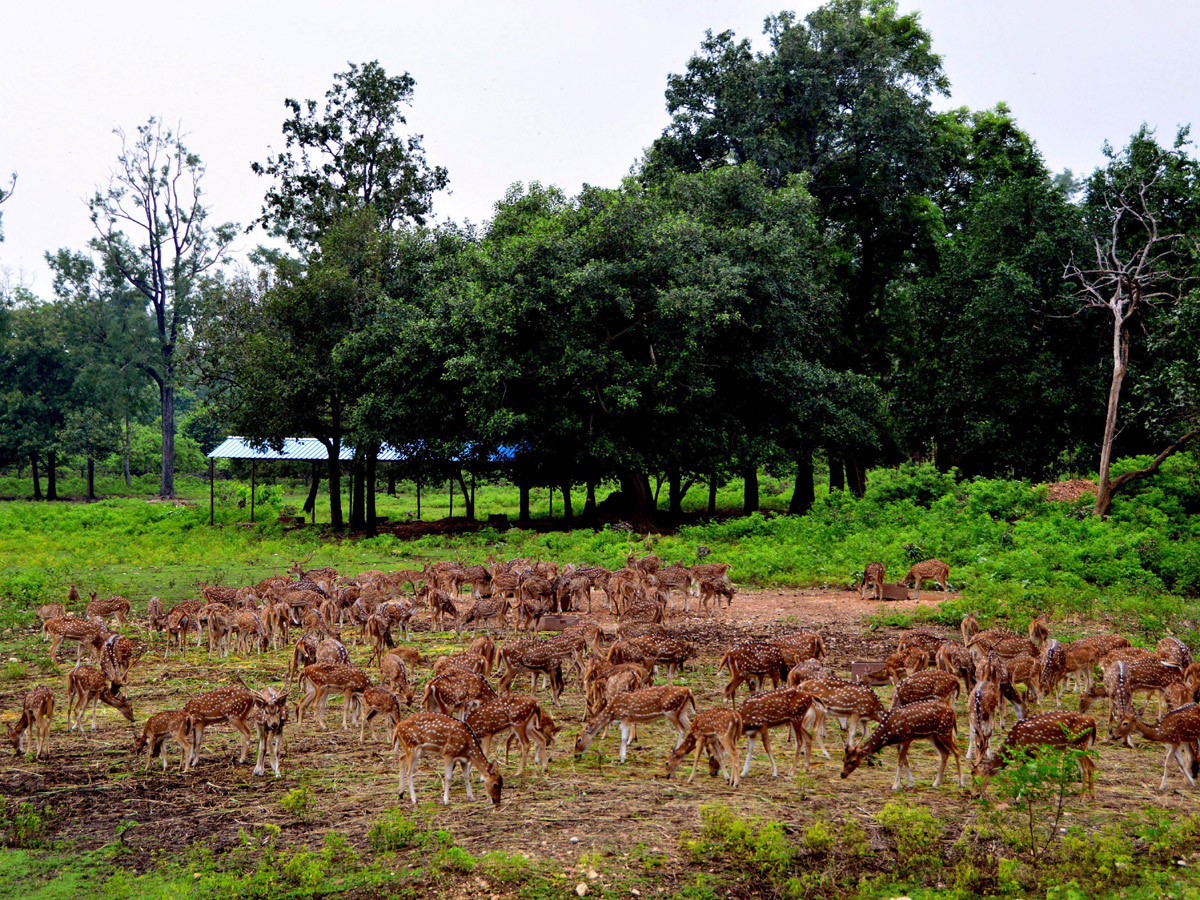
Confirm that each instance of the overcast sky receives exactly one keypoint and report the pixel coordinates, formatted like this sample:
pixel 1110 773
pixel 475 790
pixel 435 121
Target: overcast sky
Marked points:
pixel 559 92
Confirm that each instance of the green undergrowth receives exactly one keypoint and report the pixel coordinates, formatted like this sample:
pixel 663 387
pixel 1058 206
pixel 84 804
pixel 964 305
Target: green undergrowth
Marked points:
pixel 1012 553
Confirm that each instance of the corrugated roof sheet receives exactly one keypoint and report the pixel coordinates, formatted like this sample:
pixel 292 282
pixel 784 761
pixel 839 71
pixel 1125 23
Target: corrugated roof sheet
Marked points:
pixel 311 448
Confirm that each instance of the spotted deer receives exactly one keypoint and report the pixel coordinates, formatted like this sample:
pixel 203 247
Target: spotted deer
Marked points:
pixel 82 632
pixel 850 704
pixel 715 731
pixel 168 723
pixel 117 656
pixel 467 661
pixel 675 704
pixel 799 646
pixel 927 685
pixel 327 679
pixel 111 606
pixel 597 675
pixel 523 715
pixel 85 685
pixel 1174 652
pixel 930 570
pixel 37 711
pixel 930 720
pixel 1178 731
pixel 752 662
pixel 455 693
pixel 454 742
pixel 954 658
pixel 155 617
pixel 712 591
pixel 331 651
pixel 378 701
pixel 1053 729
pixel 1054 670
pixel 808 670
pixel 982 705
pixel 771 709
pixel 491 612
pixel 49 611
pixel 1118 688
pixel 659 650
pixel 231 704
pixel 534 657
pixel 872 578
pixel 1039 630
pixel 920 639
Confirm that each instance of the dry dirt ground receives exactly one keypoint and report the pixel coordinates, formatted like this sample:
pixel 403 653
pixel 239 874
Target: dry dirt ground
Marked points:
pixel 91 783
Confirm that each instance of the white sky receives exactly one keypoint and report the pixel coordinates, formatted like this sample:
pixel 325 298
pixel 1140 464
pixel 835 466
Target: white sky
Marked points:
pixel 506 91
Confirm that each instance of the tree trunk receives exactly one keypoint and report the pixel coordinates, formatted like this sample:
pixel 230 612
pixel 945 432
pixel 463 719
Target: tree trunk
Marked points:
pixel 166 488
pixel 1120 481
pixel 837 475
pixel 1104 490
pixel 91 479
pixel 310 502
pixel 358 519
pixel 418 495
pixel 676 493
pixel 523 514
pixel 125 454
pixel 37 481
pixel 391 488
pixel 712 494
pixel 635 487
pixel 52 475
pixel 568 509
pixel 856 478
pixel 589 505
pixel 372 462
pixel 468 500
pixel 335 487
pixel 750 490
pixel 804 493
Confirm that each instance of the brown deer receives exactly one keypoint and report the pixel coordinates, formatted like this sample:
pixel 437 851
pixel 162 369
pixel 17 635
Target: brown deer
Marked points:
pixel 675 704
pixel 82 632
pixel 534 657
pixel 954 658
pixel 49 611
pixel 379 701
pixel 521 714
pixel 117 656
pixel 326 679
pixel 712 591
pixel 752 662
pixel 716 731
pixel 456 692
pixel 1053 729
pixel 393 674
pixel 1118 688
pixel 599 672
pixel 85 685
pixel 491 612
pixel 454 742
pixel 920 639
pixel 1039 630
pixel 982 706
pixel 37 709
pixel 786 706
pixel 929 720
pixel 930 570
pixel 658 650
pixel 1054 670
pixel 1178 730
pixel 799 646
pixel 873 578
pixel 231 704
pixel 1174 652
pixel 808 670
pixel 850 704
pixel 467 661
pixel 484 646
pixel 112 606
pixel 155 616
pixel 927 685
pixel 268 718
pixel 168 723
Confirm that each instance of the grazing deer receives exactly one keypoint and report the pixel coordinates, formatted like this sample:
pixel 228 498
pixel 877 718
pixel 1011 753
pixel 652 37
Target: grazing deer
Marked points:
pixel 491 612
pixel 1053 729
pixel 112 606
pixel 251 633
pixel 786 706
pixel 873 578
pixel 467 661
pixel 716 731
pixel 850 704
pixel 534 657
pixel 393 674
pixel 920 639
pixel 1178 730
pixel 378 701
pixel 599 672
pixel 712 590
pixel 675 704
pixel 1054 670
pixel 1012 647
pixel 930 720
pixel 456 692
pixel 454 742
pixel 954 658
pixel 331 651
pixel 752 662
pixel 981 712
pixel 927 685
pixel 486 647
pixel 657 650
pixel 896 668
pixel 807 671
pixel 929 570
pixel 1174 652
pixel 326 679
pixel 37 709
pixel 155 616
pixel 85 685
pixel 117 656
pixel 168 723
pixel 81 632
pixel 521 714
pixel 231 704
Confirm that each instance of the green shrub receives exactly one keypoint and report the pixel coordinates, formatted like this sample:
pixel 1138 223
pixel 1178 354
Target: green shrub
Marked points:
pixel 394 831
pixel 917 834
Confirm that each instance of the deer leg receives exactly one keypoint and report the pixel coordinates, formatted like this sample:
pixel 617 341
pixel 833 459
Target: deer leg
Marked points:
pixel 466 764
pixel 899 767
pixel 749 755
pixel 766 742
pixel 260 753
pixel 944 754
pixel 95 703
pixel 1166 767
pixel 240 725
pixel 624 739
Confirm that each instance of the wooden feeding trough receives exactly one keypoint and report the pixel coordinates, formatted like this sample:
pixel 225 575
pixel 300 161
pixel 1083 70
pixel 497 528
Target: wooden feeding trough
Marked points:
pixel 861 668
pixel 558 623
pixel 895 591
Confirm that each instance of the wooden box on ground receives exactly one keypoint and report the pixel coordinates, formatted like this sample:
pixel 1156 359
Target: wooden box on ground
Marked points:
pixel 558 623
pixel 895 592
pixel 861 668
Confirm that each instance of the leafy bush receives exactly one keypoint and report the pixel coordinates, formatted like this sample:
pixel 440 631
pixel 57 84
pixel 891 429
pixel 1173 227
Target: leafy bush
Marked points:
pixel 918 838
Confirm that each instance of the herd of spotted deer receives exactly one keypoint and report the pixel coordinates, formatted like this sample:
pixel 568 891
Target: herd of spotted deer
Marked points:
pixel 464 713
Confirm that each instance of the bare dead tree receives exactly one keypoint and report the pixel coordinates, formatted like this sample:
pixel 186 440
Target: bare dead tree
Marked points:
pixel 1132 269
pixel 5 193
pixel 151 223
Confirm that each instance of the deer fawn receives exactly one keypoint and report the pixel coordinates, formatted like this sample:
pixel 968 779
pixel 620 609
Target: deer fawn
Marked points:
pixel 930 720
pixel 378 701
pixel 85 685
pixel 37 709
pixel 168 723
pixel 873 578
pixel 454 742
pixel 716 731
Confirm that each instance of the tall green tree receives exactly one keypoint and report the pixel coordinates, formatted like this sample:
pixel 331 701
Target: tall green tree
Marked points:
pixel 153 228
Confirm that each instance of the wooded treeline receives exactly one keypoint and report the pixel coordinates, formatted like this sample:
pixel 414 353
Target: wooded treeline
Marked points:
pixel 809 262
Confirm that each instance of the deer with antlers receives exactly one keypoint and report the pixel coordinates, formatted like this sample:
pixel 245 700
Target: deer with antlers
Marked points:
pixel 675 704
pixel 1178 731
pixel 1059 729
pixel 268 718
pixel 37 710
pixel 85 685
pixel 930 720
pixel 168 723
pixel 454 742
pixel 715 731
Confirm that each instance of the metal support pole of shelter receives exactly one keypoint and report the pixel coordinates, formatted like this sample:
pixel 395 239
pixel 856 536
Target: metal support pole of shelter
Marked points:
pixel 252 492
pixel 210 491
